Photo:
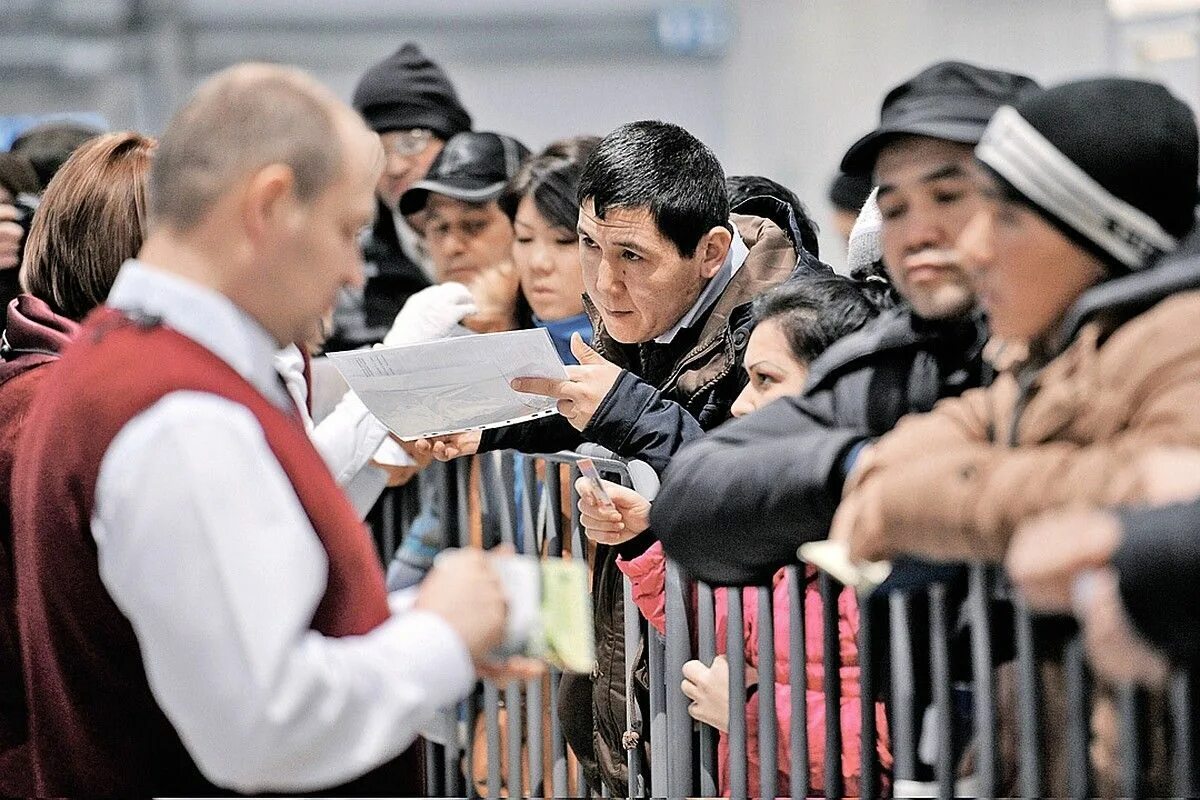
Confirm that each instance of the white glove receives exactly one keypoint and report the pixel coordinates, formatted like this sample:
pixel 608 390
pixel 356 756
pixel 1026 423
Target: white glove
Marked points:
pixel 431 314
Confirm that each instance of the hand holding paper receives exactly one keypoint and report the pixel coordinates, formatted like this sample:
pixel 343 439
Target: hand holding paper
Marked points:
pixel 583 389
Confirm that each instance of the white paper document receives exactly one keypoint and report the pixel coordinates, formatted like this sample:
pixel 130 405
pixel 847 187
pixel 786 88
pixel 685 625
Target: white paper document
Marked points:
pixel 453 385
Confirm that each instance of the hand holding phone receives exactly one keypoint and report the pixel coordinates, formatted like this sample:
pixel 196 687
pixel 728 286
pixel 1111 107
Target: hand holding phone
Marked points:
pixel 587 468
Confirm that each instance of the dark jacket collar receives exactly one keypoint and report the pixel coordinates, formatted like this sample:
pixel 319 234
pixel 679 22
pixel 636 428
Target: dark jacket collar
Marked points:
pixel 33 335
pixel 897 328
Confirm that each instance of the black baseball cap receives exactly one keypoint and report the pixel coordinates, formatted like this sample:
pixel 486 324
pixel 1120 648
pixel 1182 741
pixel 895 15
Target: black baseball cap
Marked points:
pixel 473 167
pixel 950 100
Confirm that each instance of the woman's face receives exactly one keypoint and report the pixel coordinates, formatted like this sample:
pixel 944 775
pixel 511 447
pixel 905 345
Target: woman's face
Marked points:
pixel 1026 273
pixel 547 260
pixel 774 371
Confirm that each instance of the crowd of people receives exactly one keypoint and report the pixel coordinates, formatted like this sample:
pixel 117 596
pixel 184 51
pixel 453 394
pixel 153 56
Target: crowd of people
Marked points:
pixel 1000 373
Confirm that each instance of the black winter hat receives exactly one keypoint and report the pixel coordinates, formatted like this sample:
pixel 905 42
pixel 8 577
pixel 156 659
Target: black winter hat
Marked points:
pixel 473 167
pixel 950 100
pixel 1111 162
pixel 406 90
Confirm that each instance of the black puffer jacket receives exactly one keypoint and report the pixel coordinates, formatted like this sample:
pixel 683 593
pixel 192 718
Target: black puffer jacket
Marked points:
pixel 735 506
pixel 667 396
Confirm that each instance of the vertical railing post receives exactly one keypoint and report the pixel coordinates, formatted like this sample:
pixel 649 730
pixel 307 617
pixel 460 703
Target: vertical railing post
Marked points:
pixel 1028 705
pixel 633 631
pixel 979 609
pixel 903 711
pixel 735 653
pixel 768 748
pixel 707 647
pixel 1182 729
pixel 1079 712
pixel 832 680
pixel 678 652
pixel 799 783
pixel 868 788
pixel 943 708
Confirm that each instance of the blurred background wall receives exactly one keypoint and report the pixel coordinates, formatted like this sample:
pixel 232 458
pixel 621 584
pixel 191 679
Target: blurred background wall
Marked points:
pixel 777 87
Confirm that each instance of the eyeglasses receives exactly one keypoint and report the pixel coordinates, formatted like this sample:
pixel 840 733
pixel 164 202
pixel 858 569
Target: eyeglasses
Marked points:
pixel 406 143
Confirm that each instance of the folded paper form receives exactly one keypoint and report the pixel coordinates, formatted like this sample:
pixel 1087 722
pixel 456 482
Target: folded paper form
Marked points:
pixel 453 385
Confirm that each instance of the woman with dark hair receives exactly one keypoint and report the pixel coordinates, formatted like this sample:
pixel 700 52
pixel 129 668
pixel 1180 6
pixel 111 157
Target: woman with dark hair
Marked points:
pixel 793 324
pixel 91 219
pixel 540 200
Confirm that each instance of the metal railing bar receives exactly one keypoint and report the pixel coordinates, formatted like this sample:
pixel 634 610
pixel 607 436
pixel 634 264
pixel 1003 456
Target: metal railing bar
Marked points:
pixel 940 652
pixel 979 609
pixel 768 751
pixel 798 679
pixel 831 679
pixel 735 653
pixel 1028 705
pixel 707 651
pixel 678 652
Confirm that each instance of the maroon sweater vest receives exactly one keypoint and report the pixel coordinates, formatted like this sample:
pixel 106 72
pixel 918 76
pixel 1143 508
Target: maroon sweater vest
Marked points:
pixel 95 728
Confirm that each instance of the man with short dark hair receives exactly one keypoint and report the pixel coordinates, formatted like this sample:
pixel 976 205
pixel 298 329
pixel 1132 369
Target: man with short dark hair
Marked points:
pixel 670 275
pixel 208 613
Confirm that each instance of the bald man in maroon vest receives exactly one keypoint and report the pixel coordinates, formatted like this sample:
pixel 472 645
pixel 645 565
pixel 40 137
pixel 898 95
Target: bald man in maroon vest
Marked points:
pixel 199 607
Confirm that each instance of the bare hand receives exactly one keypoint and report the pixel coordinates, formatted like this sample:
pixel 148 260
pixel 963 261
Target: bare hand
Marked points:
pixel 708 689
pixel 10 237
pixel 1049 551
pixel 1114 648
pixel 447 448
pixel 465 591
pixel 613 524
pixel 396 475
pixel 584 389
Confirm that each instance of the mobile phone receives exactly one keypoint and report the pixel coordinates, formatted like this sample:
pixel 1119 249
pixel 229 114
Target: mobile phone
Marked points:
pixel 587 468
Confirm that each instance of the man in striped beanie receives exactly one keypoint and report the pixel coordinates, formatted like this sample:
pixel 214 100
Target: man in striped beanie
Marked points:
pixel 1083 260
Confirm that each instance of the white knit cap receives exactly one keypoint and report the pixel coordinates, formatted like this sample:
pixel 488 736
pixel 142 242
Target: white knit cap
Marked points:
pixel 866 245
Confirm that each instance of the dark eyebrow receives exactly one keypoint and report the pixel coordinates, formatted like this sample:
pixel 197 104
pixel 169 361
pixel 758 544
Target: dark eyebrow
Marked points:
pixel 940 173
pixel 627 245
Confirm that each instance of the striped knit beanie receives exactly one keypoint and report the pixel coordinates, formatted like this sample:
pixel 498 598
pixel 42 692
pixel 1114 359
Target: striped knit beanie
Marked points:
pixel 1110 162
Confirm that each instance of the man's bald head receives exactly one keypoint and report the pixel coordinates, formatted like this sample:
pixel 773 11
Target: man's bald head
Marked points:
pixel 241 120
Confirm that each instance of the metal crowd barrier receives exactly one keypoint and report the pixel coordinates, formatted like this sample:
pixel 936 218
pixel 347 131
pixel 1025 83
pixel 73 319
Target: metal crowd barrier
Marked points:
pixel 960 667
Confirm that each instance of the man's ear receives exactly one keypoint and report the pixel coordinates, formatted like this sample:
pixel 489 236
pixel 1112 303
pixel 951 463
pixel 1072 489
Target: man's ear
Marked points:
pixel 268 199
pixel 712 249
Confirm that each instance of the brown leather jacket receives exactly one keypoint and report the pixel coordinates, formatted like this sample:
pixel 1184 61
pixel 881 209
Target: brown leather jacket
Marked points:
pixel 701 372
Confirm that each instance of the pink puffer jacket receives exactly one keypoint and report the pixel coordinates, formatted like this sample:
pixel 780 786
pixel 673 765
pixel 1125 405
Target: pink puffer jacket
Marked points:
pixel 647 573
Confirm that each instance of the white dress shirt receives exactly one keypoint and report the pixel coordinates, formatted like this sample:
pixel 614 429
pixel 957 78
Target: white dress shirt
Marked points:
pixel 348 438
pixel 205 548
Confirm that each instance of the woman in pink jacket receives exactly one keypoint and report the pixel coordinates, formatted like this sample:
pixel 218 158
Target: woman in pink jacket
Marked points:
pixel 795 322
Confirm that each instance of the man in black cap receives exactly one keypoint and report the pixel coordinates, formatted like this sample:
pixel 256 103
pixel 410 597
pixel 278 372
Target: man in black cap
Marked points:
pixel 410 102
pixel 465 230
pixel 736 505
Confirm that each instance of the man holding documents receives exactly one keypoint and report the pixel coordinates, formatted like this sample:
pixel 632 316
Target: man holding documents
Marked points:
pixel 202 605
pixel 669 275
